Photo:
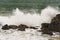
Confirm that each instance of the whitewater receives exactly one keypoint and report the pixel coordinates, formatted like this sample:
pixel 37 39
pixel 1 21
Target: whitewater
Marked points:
pixel 34 20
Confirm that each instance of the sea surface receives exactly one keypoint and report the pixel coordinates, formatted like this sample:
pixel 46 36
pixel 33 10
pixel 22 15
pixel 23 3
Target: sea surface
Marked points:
pixel 28 12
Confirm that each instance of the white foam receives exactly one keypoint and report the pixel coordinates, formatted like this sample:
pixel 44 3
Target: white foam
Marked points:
pixel 48 13
pixel 34 20
pixel 31 20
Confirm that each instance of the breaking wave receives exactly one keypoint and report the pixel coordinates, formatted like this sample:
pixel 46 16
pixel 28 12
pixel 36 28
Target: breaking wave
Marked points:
pixel 19 17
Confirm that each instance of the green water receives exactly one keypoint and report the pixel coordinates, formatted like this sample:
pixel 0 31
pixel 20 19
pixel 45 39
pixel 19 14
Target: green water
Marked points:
pixel 7 5
pixel 23 4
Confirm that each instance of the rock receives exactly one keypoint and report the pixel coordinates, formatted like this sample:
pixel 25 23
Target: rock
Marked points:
pixel 57 18
pixel 39 30
pixel 5 27
pixel 44 25
pixel 54 26
pixel 22 27
pixel 33 28
pixel 13 26
pixel 45 29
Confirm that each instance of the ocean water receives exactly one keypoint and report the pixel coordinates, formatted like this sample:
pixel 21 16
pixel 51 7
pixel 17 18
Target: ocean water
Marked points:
pixel 31 18
pixel 28 12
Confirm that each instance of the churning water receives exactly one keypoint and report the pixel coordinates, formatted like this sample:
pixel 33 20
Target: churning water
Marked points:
pixel 19 17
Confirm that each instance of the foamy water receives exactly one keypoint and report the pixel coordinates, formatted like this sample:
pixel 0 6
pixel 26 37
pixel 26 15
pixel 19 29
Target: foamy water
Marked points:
pixel 28 19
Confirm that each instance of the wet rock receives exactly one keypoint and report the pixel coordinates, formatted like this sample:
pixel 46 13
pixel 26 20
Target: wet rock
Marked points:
pixel 39 30
pixel 57 18
pixel 45 29
pixel 54 26
pixel 5 27
pixel 22 27
pixel 33 28
pixel 13 26
pixel 44 25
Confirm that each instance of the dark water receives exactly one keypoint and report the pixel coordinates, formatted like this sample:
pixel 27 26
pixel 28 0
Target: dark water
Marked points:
pixel 23 4
pixel 6 6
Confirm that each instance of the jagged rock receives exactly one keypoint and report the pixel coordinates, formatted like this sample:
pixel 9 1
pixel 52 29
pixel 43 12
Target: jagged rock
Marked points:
pixel 45 29
pixel 5 27
pixel 22 27
pixel 54 26
pixel 57 18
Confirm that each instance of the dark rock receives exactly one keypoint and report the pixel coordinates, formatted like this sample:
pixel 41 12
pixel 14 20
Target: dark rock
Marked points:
pixel 45 29
pixel 39 30
pixel 57 18
pixel 33 28
pixel 13 26
pixel 54 26
pixel 22 27
pixel 44 25
pixel 5 27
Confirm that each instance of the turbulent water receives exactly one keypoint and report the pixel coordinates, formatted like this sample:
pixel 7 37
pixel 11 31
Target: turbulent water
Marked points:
pixel 19 17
